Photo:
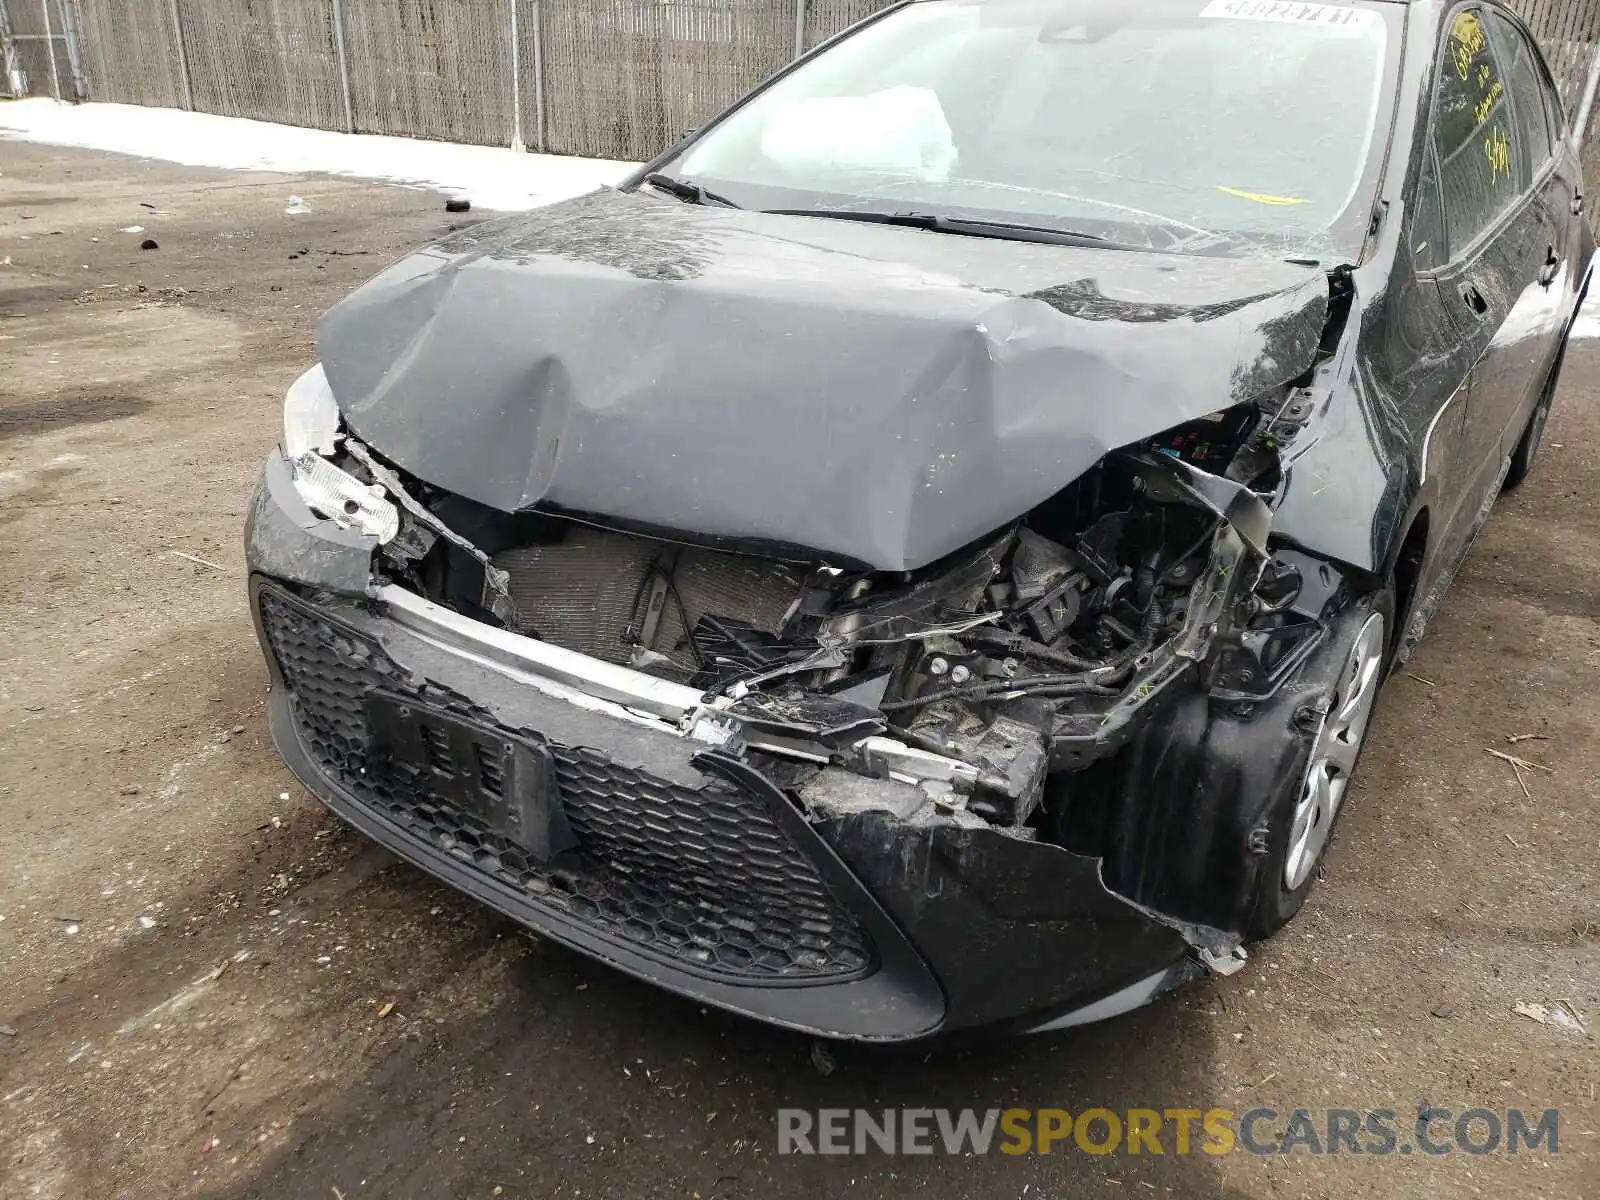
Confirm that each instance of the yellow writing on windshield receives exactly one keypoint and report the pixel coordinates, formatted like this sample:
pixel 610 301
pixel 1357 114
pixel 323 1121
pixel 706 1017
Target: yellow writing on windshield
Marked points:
pixel 1262 197
pixel 1466 41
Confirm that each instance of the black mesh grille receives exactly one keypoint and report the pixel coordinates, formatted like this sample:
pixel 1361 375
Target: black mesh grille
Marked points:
pixel 703 876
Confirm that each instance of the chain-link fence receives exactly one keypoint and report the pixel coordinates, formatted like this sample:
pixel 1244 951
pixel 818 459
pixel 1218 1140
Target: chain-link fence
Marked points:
pixel 431 69
pixel 606 78
pixel 39 49
pixel 623 80
pixel 131 52
pixel 1569 33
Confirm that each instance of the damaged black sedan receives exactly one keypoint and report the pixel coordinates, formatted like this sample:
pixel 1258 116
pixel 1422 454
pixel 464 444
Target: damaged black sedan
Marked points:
pixel 924 553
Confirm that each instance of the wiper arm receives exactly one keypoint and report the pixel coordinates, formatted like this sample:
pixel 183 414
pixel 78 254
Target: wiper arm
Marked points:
pixel 965 226
pixel 687 189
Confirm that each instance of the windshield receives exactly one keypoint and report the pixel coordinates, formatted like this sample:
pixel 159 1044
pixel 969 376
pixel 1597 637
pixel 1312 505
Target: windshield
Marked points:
pixel 1213 126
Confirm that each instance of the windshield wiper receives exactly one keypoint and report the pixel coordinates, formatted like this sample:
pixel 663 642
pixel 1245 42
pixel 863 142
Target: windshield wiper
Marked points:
pixel 686 189
pixel 965 226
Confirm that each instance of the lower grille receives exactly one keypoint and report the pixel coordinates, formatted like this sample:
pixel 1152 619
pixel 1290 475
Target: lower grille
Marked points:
pixel 701 876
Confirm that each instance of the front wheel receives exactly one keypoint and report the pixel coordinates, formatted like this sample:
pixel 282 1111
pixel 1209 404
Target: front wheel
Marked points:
pixel 1302 819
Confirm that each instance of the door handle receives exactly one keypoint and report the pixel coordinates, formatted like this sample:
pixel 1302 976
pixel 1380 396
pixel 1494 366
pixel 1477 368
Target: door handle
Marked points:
pixel 1551 268
pixel 1577 205
pixel 1473 299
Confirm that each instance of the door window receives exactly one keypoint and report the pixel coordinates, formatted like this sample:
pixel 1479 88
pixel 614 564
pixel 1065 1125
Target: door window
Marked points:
pixel 1482 164
pixel 1527 92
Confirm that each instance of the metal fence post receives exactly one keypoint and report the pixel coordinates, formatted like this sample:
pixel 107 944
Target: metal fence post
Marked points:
pixel 16 83
pixel 799 27
pixel 540 135
pixel 1580 125
pixel 69 34
pixel 344 67
pixel 50 49
pixel 516 81
pixel 183 56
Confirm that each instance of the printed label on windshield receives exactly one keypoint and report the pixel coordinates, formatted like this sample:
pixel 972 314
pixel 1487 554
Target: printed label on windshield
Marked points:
pixel 1283 10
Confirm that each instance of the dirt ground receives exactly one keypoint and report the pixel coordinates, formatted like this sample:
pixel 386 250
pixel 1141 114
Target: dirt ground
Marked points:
pixel 211 988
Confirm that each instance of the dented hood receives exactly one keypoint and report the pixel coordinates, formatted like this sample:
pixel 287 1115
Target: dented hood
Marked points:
pixel 875 394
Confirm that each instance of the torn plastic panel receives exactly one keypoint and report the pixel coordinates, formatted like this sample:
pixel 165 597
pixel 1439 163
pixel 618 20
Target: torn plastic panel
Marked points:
pixel 1009 925
pixel 985 692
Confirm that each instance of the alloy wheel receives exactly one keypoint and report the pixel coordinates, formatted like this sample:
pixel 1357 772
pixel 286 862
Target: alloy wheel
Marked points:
pixel 1333 756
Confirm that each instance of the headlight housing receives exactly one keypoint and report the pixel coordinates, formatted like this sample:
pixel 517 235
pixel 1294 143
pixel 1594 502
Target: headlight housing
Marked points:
pixel 343 498
pixel 310 416
pixel 310 431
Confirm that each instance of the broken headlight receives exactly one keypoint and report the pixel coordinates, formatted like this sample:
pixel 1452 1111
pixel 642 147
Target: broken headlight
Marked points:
pixel 310 416
pixel 311 430
pixel 343 498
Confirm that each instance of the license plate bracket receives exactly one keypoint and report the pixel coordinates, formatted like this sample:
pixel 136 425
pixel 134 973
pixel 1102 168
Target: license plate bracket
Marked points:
pixel 506 782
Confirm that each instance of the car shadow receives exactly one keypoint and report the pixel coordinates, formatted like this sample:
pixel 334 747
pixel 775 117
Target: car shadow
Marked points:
pixel 581 1081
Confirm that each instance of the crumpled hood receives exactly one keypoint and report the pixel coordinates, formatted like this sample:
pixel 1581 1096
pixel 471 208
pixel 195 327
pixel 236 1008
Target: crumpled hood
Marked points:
pixel 876 394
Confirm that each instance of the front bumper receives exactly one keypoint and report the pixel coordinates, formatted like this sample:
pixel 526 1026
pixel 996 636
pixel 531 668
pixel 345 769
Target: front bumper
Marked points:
pixel 694 870
pixel 800 894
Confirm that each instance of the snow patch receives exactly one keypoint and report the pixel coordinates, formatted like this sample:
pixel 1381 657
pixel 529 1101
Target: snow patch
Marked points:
pixel 1587 323
pixel 489 176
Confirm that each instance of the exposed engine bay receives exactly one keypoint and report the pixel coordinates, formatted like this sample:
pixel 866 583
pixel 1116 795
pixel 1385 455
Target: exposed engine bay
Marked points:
pixel 1025 654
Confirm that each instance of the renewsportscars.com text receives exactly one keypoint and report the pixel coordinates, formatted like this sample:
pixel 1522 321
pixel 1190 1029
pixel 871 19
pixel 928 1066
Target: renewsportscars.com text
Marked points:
pixel 1324 1131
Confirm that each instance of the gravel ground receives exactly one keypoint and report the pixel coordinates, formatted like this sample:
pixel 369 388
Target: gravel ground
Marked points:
pixel 213 989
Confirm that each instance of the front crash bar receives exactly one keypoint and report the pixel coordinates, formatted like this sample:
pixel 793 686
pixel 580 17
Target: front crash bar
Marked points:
pixel 633 696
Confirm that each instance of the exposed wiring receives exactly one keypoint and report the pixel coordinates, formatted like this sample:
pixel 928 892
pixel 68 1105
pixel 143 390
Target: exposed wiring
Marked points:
pixel 922 632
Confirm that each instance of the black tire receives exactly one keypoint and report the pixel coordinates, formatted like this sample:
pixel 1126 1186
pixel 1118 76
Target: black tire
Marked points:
pixel 1275 903
pixel 1528 447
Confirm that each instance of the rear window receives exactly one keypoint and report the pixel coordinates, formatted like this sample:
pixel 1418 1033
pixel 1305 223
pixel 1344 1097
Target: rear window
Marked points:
pixel 1528 92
